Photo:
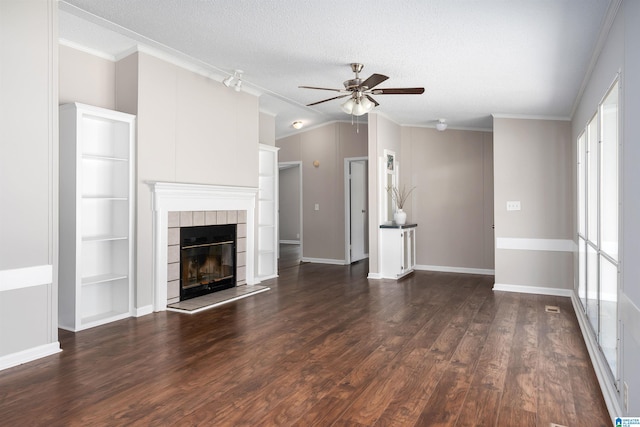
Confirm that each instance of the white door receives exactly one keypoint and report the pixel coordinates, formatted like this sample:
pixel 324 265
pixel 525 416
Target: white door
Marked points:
pixel 358 210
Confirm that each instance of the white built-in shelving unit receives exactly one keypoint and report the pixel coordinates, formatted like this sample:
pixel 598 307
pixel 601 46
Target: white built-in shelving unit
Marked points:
pixel 96 216
pixel 268 212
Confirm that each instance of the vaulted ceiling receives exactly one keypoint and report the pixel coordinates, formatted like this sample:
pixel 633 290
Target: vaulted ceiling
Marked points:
pixel 474 58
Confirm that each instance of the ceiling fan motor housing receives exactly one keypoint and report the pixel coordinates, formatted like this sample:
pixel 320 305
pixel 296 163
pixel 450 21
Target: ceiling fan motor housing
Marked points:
pixel 352 84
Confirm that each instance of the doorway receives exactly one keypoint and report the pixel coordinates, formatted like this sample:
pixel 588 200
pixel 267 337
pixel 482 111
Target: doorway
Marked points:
pixel 356 209
pixel 290 213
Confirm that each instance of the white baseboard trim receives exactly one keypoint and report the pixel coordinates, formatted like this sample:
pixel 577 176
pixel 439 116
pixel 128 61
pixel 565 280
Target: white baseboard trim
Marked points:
pixel 271 276
pixel 24 356
pixel 324 261
pixel 598 361
pixel 375 276
pixel 143 311
pixel 539 290
pixel 289 242
pixel 446 269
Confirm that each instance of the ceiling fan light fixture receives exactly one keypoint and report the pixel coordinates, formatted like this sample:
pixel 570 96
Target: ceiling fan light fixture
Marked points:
pixel 347 107
pixel 358 109
pixel 367 104
pixel 441 125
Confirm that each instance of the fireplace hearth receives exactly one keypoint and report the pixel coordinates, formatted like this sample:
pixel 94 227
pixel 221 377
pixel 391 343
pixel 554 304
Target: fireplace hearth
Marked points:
pixel 207 259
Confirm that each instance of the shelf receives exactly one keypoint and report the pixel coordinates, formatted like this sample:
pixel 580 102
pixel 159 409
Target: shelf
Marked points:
pixel 105 198
pixel 97 195
pixel 101 318
pixel 104 238
pixel 105 158
pixel 102 278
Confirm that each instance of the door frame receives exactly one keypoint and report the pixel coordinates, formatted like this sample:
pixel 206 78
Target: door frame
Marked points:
pixel 347 207
pixel 287 165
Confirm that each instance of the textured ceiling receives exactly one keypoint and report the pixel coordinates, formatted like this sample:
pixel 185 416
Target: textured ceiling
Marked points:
pixel 474 57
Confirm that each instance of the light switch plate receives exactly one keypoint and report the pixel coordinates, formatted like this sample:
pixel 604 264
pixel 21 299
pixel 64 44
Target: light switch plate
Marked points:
pixel 513 205
pixel 317 207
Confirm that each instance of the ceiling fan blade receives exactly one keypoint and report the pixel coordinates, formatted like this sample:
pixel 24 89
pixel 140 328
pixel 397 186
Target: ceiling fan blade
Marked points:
pixel 329 99
pixel 399 91
pixel 372 100
pixel 373 80
pixel 320 88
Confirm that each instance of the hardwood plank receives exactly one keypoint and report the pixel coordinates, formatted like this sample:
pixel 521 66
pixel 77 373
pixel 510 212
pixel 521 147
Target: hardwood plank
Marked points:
pixel 325 346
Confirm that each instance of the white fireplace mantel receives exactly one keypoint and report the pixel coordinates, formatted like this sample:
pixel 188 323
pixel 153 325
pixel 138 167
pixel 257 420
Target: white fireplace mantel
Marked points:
pixel 171 196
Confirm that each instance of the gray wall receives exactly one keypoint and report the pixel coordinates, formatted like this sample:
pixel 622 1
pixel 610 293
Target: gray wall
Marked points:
pixel 621 53
pixel 289 200
pixel 533 164
pixel 28 180
pixel 453 199
pixel 323 230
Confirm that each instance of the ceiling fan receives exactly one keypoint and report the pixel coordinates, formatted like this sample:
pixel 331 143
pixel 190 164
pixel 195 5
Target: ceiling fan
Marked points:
pixel 359 92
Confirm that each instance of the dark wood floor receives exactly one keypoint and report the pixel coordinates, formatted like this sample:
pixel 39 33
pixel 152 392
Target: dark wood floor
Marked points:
pixel 324 347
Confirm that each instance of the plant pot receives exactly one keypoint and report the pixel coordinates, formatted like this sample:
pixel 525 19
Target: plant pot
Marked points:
pixel 400 217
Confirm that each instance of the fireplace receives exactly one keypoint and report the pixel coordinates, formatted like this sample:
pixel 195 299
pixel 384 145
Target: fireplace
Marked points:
pixel 177 205
pixel 207 259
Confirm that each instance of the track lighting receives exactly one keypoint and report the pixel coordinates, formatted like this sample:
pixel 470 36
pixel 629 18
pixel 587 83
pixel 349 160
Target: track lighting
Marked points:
pixel 441 125
pixel 237 76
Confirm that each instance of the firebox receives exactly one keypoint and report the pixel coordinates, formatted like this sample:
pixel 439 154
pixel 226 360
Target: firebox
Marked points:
pixel 207 259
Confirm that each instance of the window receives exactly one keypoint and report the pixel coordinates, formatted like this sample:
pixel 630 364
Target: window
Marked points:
pixel 597 225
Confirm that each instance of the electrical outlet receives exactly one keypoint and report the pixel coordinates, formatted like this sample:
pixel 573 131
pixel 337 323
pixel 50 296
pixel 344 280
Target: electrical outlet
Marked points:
pixel 625 393
pixel 317 207
pixel 513 205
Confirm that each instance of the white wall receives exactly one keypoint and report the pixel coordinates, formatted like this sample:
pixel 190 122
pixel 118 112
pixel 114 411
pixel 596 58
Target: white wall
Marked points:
pixel 384 134
pixel 28 180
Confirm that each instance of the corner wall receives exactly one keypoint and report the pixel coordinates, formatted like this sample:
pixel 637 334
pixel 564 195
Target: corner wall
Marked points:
pixel 452 203
pixel 533 164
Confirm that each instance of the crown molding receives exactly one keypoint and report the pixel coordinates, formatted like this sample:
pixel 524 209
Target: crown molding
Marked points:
pixel 530 117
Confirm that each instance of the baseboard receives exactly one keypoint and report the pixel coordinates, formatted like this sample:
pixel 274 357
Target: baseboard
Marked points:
pixel 271 276
pixel 324 261
pixel 143 311
pixel 539 290
pixel 24 356
pixel 464 270
pixel 374 276
pixel 598 361
pixel 289 242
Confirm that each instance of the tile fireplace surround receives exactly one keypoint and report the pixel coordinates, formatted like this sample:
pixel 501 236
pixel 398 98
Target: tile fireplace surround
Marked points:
pixel 183 219
pixel 201 205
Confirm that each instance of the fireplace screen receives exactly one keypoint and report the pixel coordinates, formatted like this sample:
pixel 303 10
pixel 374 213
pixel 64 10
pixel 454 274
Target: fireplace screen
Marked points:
pixel 207 260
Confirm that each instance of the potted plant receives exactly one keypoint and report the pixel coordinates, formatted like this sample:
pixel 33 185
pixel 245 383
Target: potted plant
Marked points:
pixel 400 196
